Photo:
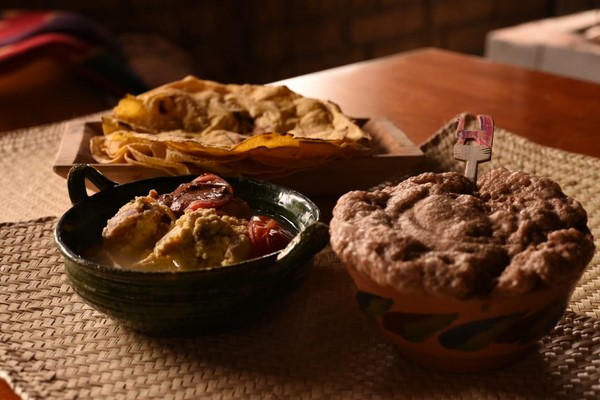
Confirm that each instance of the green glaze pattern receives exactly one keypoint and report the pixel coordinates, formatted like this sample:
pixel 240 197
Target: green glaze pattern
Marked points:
pixel 521 328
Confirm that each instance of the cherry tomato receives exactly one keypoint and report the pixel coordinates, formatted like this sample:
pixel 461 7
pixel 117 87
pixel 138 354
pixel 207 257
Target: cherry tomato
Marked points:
pixel 267 235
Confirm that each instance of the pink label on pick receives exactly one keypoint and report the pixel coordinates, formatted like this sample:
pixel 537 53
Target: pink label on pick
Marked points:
pixel 484 136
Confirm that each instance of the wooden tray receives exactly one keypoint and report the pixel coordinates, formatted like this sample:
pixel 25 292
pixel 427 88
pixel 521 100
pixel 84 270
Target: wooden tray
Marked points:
pixel 395 155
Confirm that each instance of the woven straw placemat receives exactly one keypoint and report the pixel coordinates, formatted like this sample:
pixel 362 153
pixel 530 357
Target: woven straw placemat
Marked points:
pixel 30 188
pixel 315 344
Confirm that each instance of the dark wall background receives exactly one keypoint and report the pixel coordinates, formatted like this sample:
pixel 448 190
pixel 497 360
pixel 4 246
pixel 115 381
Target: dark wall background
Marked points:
pixel 262 41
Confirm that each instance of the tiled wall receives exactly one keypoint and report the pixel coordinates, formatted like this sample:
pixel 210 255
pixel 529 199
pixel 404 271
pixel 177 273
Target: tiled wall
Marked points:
pixel 265 40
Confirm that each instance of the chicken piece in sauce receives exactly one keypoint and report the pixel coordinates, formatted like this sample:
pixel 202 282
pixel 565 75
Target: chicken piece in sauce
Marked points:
pixel 132 233
pixel 200 224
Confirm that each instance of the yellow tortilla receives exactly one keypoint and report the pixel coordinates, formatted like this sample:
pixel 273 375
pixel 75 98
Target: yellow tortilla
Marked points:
pixel 196 125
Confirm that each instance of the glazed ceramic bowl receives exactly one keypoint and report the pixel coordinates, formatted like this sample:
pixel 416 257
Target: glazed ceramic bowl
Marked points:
pixel 189 302
pixel 452 335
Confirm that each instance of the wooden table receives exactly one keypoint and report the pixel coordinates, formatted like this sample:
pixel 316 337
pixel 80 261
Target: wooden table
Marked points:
pixel 421 90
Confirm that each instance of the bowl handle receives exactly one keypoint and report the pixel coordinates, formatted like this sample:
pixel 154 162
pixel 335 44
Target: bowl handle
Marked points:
pixel 312 240
pixel 77 177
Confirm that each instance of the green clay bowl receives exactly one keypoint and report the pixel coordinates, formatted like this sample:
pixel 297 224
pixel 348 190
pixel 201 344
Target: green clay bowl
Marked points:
pixel 188 302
